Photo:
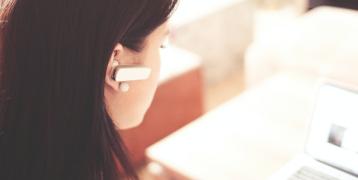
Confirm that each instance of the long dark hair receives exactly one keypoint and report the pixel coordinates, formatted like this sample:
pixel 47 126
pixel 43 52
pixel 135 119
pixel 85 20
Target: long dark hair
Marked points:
pixel 54 55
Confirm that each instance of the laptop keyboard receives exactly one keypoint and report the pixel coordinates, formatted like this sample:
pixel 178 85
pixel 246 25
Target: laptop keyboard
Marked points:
pixel 306 173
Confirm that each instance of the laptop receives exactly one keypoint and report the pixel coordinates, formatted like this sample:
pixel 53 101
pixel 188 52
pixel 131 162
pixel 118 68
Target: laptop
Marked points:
pixel 331 150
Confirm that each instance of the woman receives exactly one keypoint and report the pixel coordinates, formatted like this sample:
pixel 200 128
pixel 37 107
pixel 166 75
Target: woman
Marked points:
pixel 61 101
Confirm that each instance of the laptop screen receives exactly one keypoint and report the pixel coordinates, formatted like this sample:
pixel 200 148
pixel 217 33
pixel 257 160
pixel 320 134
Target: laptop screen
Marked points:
pixel 333 135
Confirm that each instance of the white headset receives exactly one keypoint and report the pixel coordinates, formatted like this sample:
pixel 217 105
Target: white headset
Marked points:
pixel 126 73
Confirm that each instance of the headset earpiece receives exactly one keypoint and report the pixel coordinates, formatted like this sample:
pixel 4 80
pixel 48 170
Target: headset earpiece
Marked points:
pixel 123 74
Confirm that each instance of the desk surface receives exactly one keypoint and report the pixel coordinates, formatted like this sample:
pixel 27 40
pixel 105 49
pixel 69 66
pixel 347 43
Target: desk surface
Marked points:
pixel 250 137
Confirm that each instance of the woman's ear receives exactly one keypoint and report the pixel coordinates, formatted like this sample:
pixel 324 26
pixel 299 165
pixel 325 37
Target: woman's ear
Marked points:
pixel 112 63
